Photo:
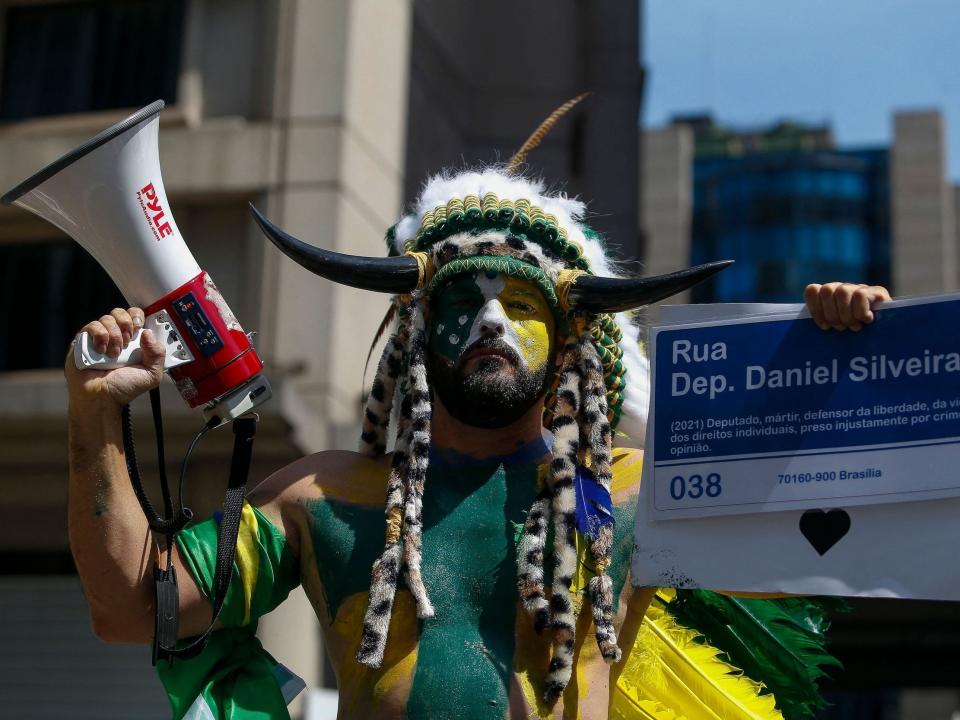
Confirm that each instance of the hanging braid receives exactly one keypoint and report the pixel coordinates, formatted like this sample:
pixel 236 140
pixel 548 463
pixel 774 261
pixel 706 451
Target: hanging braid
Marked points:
pixel 376 414
pixel 596 435
pixel 419 460
pixel 404 508
pixel 386 568
pixel 563 468
pixel 533 540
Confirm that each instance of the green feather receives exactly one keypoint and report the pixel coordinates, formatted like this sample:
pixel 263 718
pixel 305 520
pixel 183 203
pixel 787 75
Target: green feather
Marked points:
pixel 780 642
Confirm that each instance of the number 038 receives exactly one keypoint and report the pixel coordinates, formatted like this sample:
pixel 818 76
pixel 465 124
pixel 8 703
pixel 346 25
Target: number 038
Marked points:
pixel 695 486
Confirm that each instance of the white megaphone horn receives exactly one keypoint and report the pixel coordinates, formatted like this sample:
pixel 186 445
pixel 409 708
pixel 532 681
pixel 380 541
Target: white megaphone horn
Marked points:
pixel 108 195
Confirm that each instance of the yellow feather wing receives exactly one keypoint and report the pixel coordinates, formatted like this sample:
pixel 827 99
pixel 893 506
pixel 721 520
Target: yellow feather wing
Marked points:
pixel 669 676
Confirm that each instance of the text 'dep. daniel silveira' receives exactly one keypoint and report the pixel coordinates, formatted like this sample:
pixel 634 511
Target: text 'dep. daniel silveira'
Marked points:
pixel 859 368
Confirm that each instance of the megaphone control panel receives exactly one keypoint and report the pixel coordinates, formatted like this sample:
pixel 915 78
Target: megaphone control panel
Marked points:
pixel 197 323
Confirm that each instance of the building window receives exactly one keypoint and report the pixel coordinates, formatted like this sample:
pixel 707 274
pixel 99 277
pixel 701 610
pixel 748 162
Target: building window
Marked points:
pixel 789 219
pixel 48 291
pixel 87 56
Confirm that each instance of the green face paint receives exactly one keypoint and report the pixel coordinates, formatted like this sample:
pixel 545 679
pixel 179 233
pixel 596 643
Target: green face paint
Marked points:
pixel 453 312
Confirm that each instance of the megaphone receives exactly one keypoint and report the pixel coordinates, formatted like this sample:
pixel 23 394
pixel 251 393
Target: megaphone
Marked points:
pixel 108 195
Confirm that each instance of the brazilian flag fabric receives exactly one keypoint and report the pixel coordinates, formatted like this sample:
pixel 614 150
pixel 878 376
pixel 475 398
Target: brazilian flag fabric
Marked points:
pixel 235 678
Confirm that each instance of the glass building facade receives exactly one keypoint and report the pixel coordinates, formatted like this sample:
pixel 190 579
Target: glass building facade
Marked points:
pixel 788 213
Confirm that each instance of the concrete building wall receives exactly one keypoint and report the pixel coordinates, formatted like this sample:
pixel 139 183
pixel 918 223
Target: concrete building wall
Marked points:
pixel 924 248
pixel 339 185
pixel 667 201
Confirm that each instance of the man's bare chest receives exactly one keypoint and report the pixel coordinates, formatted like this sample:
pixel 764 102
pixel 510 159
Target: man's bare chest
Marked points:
pixel 465 654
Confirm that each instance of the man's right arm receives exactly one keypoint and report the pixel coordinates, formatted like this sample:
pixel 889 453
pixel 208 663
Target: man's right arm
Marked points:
pixel 112 545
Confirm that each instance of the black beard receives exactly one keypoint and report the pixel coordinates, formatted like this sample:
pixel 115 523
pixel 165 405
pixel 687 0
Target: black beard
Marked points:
pixel 487 397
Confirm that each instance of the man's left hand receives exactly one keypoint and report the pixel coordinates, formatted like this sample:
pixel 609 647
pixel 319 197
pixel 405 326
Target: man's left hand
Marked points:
pixel 841 305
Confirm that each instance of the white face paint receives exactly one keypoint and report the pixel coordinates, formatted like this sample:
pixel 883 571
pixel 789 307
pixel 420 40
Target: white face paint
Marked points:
pixel 492 316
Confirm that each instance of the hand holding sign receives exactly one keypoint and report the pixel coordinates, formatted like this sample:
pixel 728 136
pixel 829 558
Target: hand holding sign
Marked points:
pixel 843 305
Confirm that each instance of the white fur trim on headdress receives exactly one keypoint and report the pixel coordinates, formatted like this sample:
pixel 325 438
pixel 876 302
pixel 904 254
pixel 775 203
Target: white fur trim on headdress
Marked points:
pixel 442 188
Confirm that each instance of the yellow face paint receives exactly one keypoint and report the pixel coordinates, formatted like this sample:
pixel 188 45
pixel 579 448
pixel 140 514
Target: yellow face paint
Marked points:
pixel 531 320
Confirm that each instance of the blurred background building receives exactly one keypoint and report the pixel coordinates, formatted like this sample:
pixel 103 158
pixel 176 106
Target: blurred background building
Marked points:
pixel 329 116
pixel 790 206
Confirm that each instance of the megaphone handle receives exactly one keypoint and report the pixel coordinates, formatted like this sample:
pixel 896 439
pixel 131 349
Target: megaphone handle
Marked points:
pixel 85 357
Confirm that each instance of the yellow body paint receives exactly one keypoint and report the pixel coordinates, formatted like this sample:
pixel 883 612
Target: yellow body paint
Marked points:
pixel 363 691
pixel 627 466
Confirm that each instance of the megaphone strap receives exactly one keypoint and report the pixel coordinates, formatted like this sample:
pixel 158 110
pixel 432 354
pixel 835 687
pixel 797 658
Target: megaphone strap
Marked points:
pixel 170 523
pixel 167 596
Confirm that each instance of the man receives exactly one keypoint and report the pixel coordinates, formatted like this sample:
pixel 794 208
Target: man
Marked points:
pixel 501 330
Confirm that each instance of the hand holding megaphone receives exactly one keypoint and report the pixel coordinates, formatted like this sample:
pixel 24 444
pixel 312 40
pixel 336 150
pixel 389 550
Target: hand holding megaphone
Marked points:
pixel 121 333
pixel 93 353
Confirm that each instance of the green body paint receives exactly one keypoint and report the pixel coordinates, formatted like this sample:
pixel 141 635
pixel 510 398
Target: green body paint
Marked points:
pixel 347 538
pixel 465 659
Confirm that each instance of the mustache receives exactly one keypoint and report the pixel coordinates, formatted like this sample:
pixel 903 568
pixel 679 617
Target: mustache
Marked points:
pixel 498 346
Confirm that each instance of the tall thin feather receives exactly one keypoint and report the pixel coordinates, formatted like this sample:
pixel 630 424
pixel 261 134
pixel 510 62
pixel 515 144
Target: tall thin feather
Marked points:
pixel 537 136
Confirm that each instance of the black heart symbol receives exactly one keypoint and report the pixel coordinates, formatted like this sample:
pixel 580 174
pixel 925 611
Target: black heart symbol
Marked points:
pixel 822 529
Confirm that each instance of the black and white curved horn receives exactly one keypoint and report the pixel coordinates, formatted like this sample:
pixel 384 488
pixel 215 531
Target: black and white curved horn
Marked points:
pixel 609 295
pixel 394 275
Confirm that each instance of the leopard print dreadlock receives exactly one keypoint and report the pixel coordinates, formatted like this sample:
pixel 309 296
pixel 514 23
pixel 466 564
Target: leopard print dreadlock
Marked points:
pixel 383 583
pixel 419 459
pixel 596 432
pixel 579 427
pixel 404 506
pixel 563 470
